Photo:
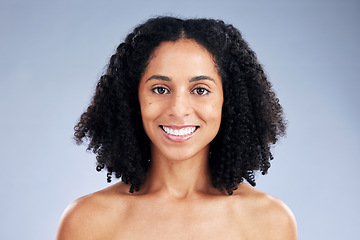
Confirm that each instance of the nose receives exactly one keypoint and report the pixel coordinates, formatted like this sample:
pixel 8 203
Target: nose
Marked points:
pixel 180 105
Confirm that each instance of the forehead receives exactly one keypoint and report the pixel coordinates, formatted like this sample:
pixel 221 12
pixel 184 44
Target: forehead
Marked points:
pixel 185 46
pixel 181 55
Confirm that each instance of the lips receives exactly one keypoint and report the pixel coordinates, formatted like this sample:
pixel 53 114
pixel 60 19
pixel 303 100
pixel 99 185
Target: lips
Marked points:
pixel 179 134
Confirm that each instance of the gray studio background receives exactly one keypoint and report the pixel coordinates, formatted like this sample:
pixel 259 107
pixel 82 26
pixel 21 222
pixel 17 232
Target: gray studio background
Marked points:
pixel 53 52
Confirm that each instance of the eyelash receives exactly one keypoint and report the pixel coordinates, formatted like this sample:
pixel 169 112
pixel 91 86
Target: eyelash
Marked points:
pixel 200 88
pixel 156 90
pixel 164 90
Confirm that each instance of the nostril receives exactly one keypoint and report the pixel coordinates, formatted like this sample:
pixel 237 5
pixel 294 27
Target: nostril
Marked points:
pixel 180 105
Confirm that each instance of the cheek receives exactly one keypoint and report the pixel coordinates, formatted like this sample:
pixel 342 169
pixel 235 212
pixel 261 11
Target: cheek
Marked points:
pixel 146 117
pixel 145 110
pixel 149 111
pixel 211 113
pixel 145 102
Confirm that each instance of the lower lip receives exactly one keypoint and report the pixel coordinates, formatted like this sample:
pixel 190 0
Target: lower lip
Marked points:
pixel 178 138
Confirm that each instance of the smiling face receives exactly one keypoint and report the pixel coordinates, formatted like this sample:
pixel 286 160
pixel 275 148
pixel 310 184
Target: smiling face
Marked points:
pixel 181 98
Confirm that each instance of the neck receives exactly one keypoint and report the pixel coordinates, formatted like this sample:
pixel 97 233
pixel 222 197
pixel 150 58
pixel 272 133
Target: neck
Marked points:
pixel 179 179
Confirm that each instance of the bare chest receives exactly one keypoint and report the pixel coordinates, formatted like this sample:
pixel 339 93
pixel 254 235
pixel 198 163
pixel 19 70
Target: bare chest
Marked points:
pixel 183 221
pixel 175 225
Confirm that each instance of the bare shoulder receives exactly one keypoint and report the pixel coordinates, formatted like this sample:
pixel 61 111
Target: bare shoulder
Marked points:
pixel 93 216
pixel 265 212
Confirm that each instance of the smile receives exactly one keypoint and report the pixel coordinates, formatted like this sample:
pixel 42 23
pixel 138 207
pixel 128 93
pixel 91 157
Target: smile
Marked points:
pixel 179 132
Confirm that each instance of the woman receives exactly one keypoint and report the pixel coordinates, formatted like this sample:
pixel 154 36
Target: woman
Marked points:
pixel 184 114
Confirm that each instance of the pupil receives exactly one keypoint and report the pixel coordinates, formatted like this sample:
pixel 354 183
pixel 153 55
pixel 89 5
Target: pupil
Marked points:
pixel 161 90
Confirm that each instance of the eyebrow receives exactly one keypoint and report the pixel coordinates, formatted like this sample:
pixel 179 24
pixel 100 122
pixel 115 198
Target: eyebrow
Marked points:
pixel 194 79
pixel 202 77
pixel 159 77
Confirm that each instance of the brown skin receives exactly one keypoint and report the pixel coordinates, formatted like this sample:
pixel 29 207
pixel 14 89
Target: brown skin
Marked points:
pixel 113 213
pixel 177 199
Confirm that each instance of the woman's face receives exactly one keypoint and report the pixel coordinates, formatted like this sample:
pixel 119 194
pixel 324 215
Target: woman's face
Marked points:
pixel 181 99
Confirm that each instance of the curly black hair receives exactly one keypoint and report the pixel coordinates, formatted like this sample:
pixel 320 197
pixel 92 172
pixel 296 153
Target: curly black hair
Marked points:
pixel 252 118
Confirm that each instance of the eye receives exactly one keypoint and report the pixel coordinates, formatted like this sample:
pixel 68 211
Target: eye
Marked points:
pixel 160 90
pixel 200 91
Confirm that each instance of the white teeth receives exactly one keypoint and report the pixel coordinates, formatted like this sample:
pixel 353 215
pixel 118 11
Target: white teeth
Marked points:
pixel 179 132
